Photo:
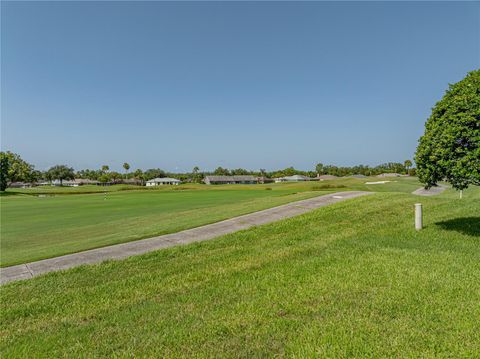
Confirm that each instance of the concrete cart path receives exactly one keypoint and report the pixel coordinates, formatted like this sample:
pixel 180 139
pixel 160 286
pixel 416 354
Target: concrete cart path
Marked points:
pixel 431 191
pixel 209 231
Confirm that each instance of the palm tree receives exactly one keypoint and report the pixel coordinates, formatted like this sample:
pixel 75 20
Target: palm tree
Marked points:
pixel 126 166
pixel 407 164
pixel 195 173
pixel 105 168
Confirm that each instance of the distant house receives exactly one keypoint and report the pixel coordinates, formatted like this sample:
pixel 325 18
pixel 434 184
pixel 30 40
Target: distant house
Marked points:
pixel 294 178
pixel 326 177
pixel 74 183
pixel 389 175
pixel 162 181
pixel 20 185
pixel 230 180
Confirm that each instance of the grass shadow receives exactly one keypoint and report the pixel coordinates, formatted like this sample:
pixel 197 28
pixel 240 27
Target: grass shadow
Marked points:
pixel 8 194
pixel 465 225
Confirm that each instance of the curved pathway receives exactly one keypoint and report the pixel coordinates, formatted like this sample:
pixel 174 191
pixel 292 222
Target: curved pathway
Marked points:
pixel 209 231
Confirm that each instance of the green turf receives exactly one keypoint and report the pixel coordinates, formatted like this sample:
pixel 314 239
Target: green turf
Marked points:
pixel 52 223
pixel 350 280
pixel 40 227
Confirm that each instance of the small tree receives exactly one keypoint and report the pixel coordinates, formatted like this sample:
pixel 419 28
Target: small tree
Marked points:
pixel 153 173
pixel 196 177
pixel 61 173
pixel 220 171
pixel 319 168
pixel 115 176
pixel 104 178
pixel 138 174
pixel 126 167
pixel 105 169
pixel 450 147
pixel 407 164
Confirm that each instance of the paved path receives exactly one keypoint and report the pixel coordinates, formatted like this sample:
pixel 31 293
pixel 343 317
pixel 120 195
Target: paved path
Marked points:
pixel 209 231
pixel 430 192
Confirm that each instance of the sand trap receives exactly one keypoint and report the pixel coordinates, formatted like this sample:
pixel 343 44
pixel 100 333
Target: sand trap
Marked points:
pixel 378 182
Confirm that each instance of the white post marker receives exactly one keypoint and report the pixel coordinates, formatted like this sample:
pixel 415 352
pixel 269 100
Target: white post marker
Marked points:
pixel 418 216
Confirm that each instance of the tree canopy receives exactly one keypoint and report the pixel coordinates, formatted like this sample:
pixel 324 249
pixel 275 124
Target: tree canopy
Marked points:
pixel 450 147
pixel 61 173
pixel 13 169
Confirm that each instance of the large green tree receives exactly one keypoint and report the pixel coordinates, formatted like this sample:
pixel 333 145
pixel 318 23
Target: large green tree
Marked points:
pixel 61 173
pixel 450 147
pixel 13 169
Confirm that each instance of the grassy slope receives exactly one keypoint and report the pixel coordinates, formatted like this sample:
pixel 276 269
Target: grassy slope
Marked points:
pixel 35 227
pixel 352 279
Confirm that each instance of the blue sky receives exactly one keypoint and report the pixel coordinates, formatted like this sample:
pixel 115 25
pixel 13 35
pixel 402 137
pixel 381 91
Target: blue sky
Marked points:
pixel 232 84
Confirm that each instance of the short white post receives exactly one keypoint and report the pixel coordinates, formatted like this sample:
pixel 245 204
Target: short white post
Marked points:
pixel 418 216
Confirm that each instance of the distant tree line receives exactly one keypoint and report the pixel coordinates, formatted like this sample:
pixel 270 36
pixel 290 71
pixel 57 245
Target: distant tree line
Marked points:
pixel 389 167
pixel 15 169
pixel 448 150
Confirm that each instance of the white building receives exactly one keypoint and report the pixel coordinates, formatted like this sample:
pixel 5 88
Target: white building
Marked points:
pixel 162 181
pixel 74 183
pixel 294 178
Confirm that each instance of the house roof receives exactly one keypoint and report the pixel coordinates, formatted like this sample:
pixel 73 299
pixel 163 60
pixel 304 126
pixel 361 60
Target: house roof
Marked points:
pixel 327 177
pixel 229 178
pixel 131 180
pixel 84 181
pixel 389 175
pixel 163 179
pixel 297 177
pixel 294 178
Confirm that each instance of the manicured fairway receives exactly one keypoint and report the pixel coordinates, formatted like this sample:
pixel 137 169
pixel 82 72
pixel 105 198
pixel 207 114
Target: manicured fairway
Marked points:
pixel 40 227
pixel 353 279
pixel 52 221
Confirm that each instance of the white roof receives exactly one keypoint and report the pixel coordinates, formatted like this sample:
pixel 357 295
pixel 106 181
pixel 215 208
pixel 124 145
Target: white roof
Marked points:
pixel 163 179
pixel 294 178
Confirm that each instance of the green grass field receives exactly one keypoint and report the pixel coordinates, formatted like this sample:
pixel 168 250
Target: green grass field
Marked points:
pixel 45 222
pixel 40 227
pixel 350 280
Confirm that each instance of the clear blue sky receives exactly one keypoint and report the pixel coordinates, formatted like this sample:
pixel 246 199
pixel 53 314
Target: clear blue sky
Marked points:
pixel 232 84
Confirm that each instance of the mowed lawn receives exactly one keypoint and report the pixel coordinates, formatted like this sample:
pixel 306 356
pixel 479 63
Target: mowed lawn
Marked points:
pixel 34 227
pixel 350 280
pixel 52 221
